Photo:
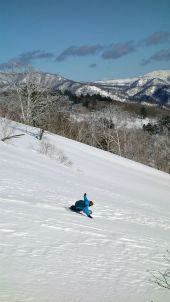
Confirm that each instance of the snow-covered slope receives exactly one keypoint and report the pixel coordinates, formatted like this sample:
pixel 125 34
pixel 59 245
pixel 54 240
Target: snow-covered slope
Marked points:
pixel 153 87
pixel 158 73
pixel 48 253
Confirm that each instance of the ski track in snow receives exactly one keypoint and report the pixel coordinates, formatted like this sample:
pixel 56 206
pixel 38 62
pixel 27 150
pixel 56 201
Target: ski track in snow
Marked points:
pixel 48 253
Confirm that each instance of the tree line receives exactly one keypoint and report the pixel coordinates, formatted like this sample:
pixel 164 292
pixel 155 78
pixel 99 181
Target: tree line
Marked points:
pixel 107 130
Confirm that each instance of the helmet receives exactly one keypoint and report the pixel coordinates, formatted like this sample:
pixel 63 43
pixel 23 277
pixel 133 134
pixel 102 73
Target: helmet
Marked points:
pixel 91 203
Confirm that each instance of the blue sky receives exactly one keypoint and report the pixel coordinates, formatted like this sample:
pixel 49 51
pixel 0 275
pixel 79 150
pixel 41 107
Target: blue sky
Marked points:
pixel 86 40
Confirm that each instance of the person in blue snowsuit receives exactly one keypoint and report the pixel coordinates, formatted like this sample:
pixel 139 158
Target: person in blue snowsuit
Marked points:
pixel 83 205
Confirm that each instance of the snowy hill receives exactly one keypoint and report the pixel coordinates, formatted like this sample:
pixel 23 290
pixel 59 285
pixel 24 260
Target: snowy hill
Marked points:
pixel 50 254
pixel 159 74
pixel 153 87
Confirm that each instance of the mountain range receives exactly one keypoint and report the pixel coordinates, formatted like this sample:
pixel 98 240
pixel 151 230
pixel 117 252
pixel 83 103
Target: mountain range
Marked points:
pixel 151 88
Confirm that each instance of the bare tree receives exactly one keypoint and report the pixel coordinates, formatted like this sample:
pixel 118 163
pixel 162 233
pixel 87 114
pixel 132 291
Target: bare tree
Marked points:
pixel 105 132
pixel 30 95
pixel 162 278
pixel 26 91
pixel 37 105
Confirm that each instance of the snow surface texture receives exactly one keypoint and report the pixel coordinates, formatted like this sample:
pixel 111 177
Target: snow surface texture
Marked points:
pixel 49 254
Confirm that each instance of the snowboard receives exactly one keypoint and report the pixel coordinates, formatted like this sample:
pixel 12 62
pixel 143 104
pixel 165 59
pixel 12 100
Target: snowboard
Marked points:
pixel 73 209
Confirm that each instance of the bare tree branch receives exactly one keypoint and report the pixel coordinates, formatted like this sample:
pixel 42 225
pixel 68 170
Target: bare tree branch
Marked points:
pixel 162 278
pixel 12 136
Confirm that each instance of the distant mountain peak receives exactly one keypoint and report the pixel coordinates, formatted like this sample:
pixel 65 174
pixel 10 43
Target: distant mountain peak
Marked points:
pixel 158 73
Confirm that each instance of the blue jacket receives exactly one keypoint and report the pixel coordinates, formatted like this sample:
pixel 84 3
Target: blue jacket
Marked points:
pixel 83 205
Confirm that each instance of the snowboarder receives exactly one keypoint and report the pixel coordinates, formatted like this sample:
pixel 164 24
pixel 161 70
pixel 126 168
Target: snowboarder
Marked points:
pixel 83 205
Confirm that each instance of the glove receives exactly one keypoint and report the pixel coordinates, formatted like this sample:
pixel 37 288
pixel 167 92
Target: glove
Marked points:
pixel 85 194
